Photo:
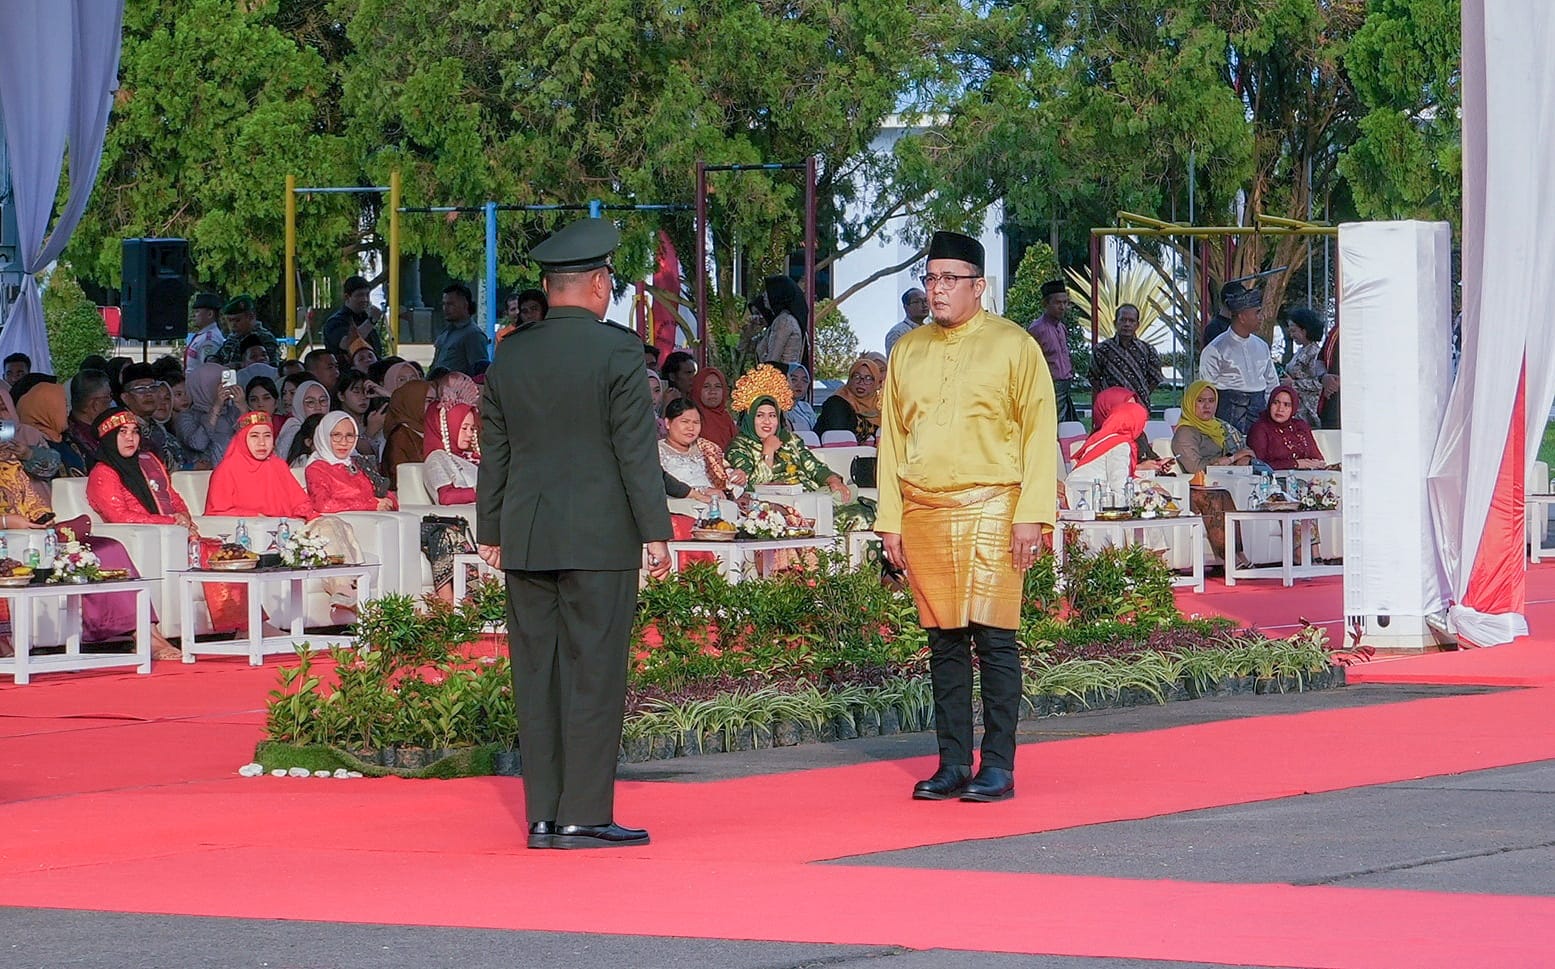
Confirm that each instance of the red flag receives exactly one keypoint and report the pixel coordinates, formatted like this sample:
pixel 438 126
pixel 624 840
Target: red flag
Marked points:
pixel 666 315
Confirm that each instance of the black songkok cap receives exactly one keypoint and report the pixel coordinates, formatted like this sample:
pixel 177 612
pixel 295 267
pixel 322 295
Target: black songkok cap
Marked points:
pixel 954 245
pixel 1052 288
pixel 1245 298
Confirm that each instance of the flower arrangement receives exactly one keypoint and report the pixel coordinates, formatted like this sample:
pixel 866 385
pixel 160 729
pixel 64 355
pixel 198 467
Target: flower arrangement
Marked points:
pixel 1152 502
pixel 74 561
pixel 1318 495
pixel 764 381
pixel 301 550
pixel 769 519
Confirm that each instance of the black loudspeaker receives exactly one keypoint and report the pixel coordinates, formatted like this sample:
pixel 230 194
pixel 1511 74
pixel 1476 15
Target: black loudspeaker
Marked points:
pixel 155 305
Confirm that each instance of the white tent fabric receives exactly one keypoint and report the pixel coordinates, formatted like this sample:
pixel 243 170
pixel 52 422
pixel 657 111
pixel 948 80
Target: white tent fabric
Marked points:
pixel 59 66
pixel 1508 120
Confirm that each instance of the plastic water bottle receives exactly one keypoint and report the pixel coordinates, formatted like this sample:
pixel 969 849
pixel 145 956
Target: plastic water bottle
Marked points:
pixel 1128 493
pixel 283 535
pixel 5 548
pixel 714 513
pixel 50 546
pixel 194 552
pixel 34 558
pixel 241 535
pixel 1096 494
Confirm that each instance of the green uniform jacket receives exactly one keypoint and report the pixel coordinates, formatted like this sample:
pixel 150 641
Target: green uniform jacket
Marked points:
pixel 570 475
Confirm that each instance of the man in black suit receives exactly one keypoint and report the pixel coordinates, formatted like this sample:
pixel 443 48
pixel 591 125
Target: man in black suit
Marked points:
pixel 569 493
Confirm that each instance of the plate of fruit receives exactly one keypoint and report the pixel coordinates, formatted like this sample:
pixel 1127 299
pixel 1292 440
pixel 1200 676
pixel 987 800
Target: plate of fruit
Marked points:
pixel 721 530
pixel 14 574
pixel 232 557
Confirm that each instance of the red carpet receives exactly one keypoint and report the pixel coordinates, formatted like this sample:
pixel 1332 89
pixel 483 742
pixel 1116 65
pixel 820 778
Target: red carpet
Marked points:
pixel 145 815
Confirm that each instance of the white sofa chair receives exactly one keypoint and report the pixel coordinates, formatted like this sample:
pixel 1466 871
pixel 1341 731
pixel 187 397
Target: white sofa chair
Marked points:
pixel 840 460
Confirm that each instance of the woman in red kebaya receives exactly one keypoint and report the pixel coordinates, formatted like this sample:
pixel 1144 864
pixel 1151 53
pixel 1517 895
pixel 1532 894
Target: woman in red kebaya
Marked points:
pixel 337 480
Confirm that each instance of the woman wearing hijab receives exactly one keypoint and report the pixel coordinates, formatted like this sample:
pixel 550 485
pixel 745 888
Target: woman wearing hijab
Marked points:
pixel 855 408
pixel 301 451
pixel 766 452
pixel 337 479
pixel 454 387
pixel 252 481
pixel 43 407
pixel 1111 454
pixel 1282 440
pixel 28 447
pixel 452 463
pixel 131 485
pixel 398 375
pixel 103 617
pixel 710 394
pixel 403 427
pixel 1202 440
pixel 310 400
pixel 801 417
pixel 208 425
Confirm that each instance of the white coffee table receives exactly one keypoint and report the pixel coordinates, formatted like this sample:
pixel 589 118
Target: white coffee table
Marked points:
pixel 23 664
pixel 463 562
pixel 1288 570
pixel 734 556
pixel 256 646
pixel 1132 531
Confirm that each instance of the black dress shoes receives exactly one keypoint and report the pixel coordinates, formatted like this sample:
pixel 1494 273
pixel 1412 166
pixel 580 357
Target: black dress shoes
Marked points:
pixel 946 783
pixel 540 834
pixel 598 836
pixel 990 784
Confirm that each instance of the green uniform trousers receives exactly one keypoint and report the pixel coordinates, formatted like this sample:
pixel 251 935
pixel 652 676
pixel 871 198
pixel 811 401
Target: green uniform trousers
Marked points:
pixel 568 633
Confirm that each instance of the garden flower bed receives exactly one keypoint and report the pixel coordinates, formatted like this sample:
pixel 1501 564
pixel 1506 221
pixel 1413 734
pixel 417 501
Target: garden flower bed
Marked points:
pixel 822 655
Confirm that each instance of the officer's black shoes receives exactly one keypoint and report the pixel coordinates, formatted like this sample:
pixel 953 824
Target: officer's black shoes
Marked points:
pixel 540 834
pixel 990 784
pixel 598 836
pixel 946 783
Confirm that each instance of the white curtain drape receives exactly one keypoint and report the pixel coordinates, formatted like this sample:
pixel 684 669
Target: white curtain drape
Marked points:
pixel 1508 205
pixel 59 65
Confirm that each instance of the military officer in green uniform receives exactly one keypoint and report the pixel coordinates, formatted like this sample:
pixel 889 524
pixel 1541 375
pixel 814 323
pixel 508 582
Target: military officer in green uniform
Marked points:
pixel 570 491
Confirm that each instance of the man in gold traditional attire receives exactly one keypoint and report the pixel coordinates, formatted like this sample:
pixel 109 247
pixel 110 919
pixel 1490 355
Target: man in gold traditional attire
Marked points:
pixel 968 495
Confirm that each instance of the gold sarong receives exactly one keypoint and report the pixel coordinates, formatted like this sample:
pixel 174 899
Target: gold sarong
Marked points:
pixel 957 545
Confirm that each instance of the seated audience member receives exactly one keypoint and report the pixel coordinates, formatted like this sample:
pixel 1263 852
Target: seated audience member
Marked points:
pixel 363 356
pixel 452 461
pixel 710 394
pixel 404 428
pixel 91 393
pixel 1203 440
pixel 679 369
pixel 162 416
pixel 398 375
pixel 262 396
pixel 1280 439
pixel 311 399
pixel 337 478
pixel 1103 404
pixel 803 416
pixel 371 444
pixel 252 481
pixel 289 385
pixel 656 392
pixel 17 366
pixel 690 458
pixel 323 366
pixel 286 368
pixel 42 405
pixel 139 396
pixel 206 428
pixel 29 447
pixel 530 306
pixel 855 407
pixel 114 372
pixel 766 452
pixel 301 450
pixel 651 355
pixel 105 616
pixel 451 453
pixel 1111 454
pixel 252 350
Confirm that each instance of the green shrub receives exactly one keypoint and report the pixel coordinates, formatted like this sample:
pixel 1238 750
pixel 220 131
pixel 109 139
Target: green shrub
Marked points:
pixel 75 327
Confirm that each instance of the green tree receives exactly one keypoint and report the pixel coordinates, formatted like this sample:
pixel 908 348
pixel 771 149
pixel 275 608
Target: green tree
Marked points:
pixel 836 347
pixel 75 327
pixel 1404 62
pixel 217 103
pixel 1023 301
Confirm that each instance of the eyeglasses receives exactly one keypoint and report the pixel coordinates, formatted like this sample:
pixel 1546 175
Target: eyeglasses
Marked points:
pixel 144 388
pixel 342 435
pixel 862 375
pixel 948 280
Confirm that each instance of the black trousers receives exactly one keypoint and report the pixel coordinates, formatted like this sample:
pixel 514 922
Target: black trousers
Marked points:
pixel 950 669
pixel 1066 408
pixel 569 632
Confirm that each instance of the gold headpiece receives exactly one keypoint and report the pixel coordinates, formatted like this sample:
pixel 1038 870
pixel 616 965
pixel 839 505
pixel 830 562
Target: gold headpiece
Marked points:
pixel 253 419
pixel 115 421
pixel 764 381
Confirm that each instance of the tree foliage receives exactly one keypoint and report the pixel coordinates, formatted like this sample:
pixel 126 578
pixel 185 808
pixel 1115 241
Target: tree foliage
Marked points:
pixel 1406 162
pixel 74 325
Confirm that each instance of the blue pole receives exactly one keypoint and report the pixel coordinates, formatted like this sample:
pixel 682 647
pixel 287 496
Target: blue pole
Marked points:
pixel 594 207
pixel 491 272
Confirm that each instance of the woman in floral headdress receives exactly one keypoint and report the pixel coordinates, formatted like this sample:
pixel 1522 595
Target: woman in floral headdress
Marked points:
pixel 451 459
pixel 763 449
